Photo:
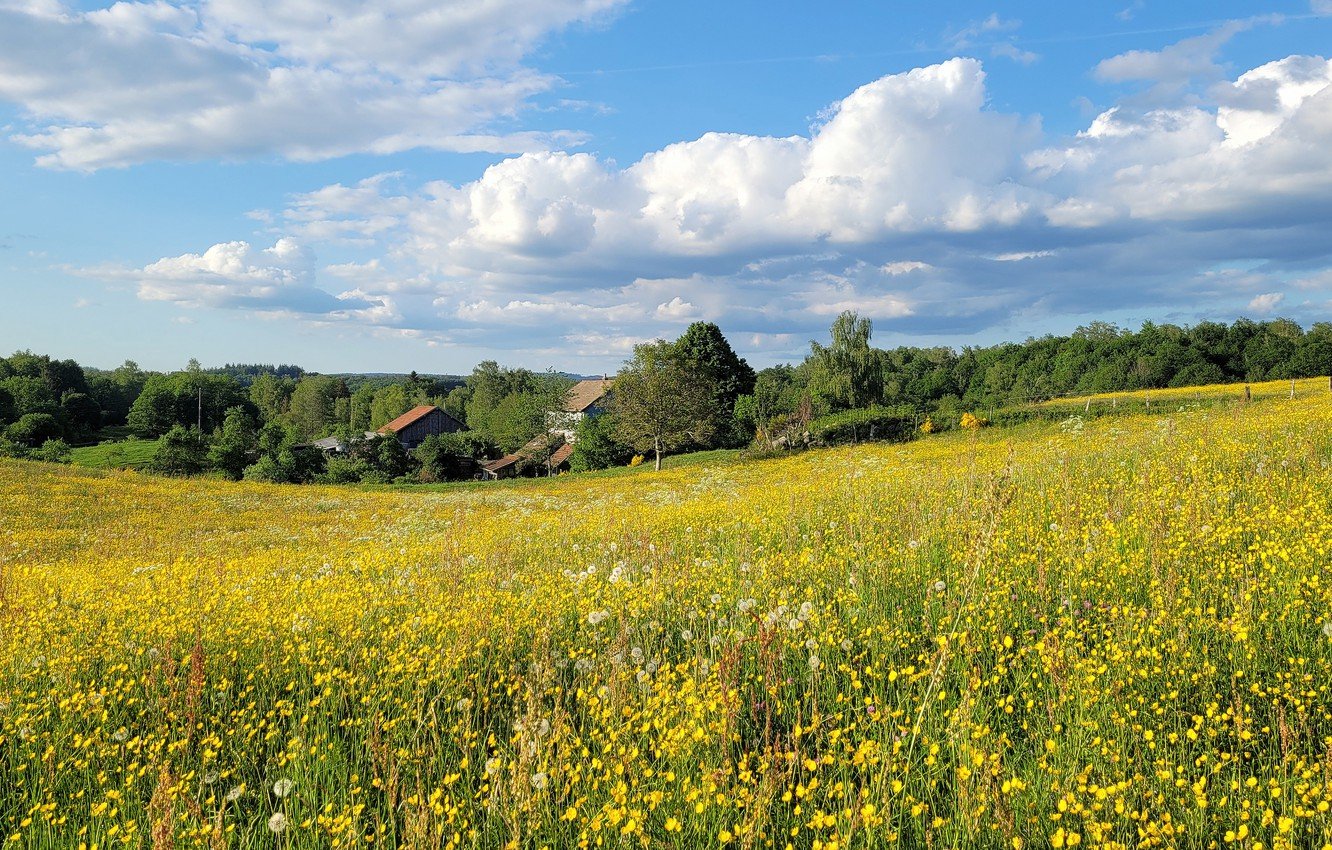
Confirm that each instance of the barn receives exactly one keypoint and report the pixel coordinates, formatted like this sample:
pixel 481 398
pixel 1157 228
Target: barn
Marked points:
pixel 415 425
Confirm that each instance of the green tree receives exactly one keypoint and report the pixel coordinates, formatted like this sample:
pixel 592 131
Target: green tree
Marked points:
pixel 847 373
pixel 390 403
pixel 180 451
pixel 447 457
pixel 33 429
pixel 707 351
pixel 30 394
pixel 311 412
pixel 81 413
pixel 660 403
pixel 271 395
pixel 595 446
pixel 235 443
pixel 360 413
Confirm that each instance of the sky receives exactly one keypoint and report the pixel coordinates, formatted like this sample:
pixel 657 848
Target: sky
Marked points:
pixel 425 184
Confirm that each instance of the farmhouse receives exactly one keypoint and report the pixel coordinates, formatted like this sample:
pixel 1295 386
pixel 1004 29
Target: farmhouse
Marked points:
pixel 415 425
pixel 585 399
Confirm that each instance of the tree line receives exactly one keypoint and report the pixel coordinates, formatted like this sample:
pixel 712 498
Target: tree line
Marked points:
pixel 695 392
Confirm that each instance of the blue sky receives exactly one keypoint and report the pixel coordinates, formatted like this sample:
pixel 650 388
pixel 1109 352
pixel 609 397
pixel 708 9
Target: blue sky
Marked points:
pixel 422 185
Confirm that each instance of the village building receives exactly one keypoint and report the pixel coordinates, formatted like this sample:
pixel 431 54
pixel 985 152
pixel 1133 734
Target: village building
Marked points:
pixel 415 425
pixel 584 400
pixel 527 460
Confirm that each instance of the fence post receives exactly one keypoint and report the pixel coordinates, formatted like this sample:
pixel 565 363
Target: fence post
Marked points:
pixel 1148 397
pixel 1248 394
pixel 1087 409
pixel 1114 400
pixel 1292 387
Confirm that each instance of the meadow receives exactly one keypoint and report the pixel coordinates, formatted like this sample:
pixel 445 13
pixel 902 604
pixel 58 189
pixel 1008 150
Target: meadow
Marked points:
pixel 1112 633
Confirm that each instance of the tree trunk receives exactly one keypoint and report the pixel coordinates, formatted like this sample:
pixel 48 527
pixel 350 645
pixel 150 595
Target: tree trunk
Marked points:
pixel 656 445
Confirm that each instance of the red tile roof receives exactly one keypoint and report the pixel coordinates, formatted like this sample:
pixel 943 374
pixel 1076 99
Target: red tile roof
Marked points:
pixel 561 454
pixel 507 460
pixel 407 419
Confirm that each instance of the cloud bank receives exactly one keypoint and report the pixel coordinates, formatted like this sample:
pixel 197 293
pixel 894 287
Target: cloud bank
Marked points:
pixel 911 200
pixel 239 79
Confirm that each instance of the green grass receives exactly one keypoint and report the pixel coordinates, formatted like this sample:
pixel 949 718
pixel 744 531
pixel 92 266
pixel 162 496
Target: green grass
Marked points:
pixel 128 454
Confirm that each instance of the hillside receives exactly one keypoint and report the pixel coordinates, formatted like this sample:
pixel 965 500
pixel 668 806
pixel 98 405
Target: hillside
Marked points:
pixel 1009 637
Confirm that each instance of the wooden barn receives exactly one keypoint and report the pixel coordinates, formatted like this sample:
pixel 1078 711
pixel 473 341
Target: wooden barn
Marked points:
pixel 415 425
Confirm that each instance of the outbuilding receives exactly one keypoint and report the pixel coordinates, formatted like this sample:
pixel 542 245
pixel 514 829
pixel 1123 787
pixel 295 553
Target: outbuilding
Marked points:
pixel 415 425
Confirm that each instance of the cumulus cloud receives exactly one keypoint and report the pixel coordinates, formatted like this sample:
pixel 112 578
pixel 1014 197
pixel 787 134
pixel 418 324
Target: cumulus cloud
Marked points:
pixel 235 79
pixel 235 275
pixel 912 201
pixel 1266 303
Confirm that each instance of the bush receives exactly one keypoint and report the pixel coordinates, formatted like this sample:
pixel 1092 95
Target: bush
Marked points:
pixel 33 429
pixel 871 423
pixel 53 451
pixel 180 451
pixel 596 447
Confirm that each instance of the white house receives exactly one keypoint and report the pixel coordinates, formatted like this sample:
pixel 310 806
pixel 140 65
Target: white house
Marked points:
pixel 584 399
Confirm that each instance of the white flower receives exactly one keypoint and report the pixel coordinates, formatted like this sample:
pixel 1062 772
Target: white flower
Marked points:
pixel 493 765
pixel 846 645
pixel 210 777
pixel 814 662
pixel 283 787
pixel 121 735
pixel 463 704
pixel 1327 629
pixel 686 635
pixel 540 781
pixel 277 823
pixel 596 618
pixel 234 794
pixel 940 586
pixel 794 623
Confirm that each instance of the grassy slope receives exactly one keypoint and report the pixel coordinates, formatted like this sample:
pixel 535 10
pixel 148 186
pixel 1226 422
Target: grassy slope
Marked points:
pixel 127 454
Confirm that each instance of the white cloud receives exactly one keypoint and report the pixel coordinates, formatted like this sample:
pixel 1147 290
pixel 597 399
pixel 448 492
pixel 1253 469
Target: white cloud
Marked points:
pixel 912 200
pixel 1266 303
pixel 677 309
pixel 235 275
pixel 1173 69
pixel 903 267
pixel 234 79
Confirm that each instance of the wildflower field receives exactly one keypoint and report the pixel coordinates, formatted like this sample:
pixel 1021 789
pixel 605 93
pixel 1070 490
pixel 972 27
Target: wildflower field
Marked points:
pixel 1112 633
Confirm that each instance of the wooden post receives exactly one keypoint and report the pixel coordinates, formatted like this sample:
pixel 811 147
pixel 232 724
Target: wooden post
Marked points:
pixel 1114 401
pixel 1087 409
pixel 1148 396
pixel 1248 394
pixel 1292 387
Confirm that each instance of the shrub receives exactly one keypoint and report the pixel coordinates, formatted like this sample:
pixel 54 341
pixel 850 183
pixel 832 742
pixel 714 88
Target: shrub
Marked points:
pixel 53 451
pixel 870 423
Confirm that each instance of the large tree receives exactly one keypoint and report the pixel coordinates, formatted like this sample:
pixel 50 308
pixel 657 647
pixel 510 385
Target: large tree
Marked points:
pixel 848 373
pixel 659 402
pixel 234 445
pixel 706 350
